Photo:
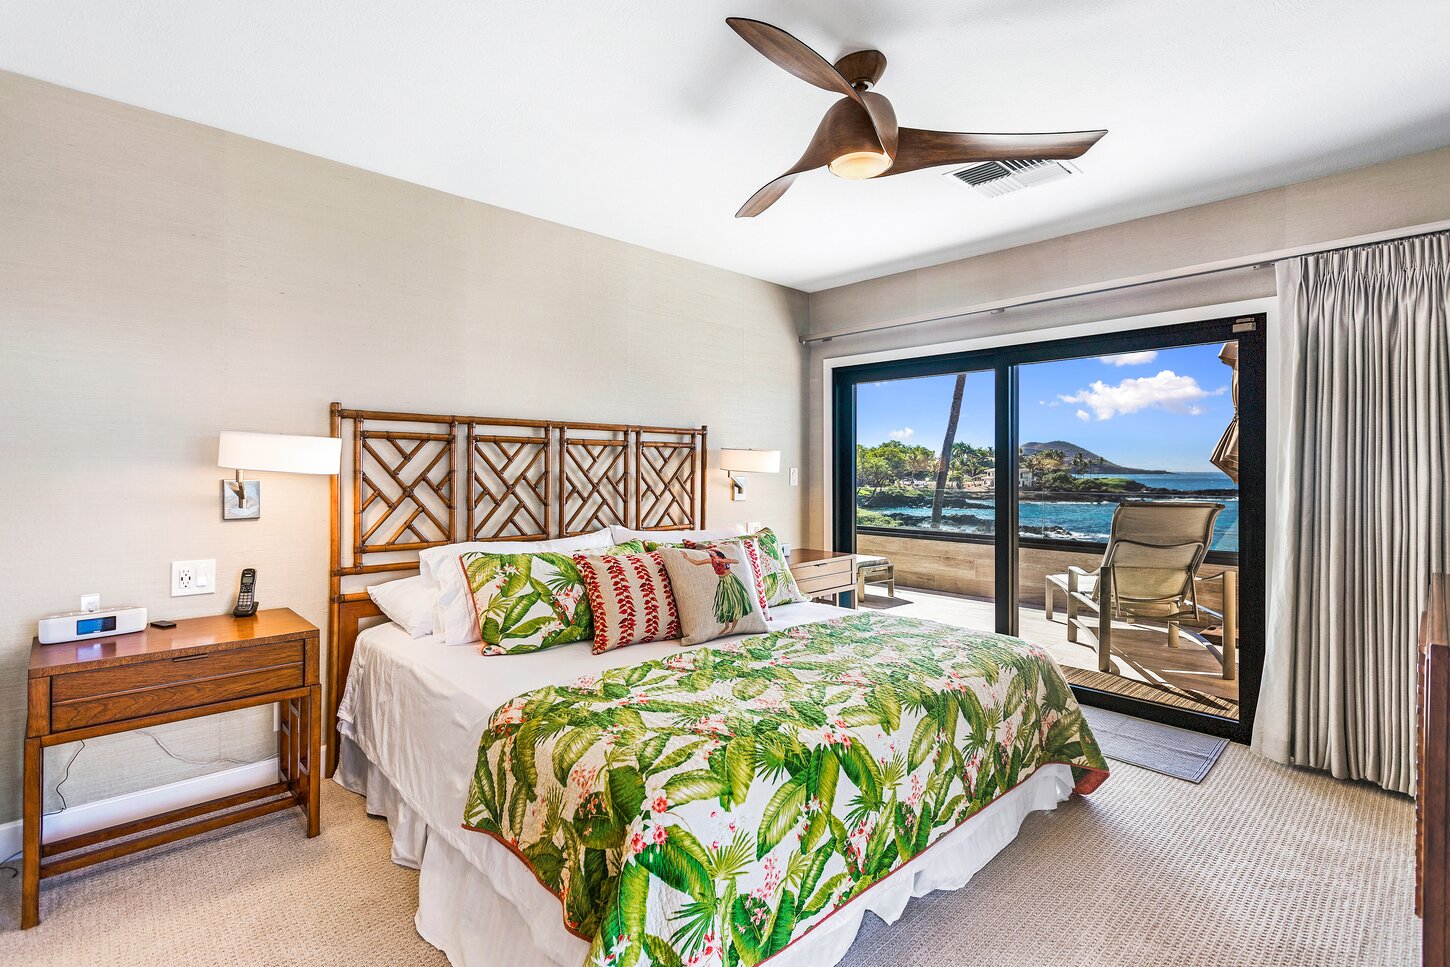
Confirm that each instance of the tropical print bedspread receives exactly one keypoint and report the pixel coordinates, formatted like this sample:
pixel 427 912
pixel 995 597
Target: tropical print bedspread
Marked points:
pixel 713 806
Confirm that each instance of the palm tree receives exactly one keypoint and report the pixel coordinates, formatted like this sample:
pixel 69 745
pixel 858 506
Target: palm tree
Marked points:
pixel 946 449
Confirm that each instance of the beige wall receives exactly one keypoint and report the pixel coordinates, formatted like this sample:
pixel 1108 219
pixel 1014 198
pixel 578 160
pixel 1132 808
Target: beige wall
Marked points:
pixel 161 281
pixel 1409 191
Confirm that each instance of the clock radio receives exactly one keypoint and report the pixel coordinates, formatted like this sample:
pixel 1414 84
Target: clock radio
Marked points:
pixel 82 625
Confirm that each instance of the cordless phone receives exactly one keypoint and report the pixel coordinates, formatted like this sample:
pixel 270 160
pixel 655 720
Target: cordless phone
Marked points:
pixel 246 598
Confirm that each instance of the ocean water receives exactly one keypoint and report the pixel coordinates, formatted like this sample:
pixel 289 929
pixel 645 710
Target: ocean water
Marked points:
pixel 1081 520
pixel 1199 480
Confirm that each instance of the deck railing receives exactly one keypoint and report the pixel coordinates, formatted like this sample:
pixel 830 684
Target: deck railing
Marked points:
pixel 940 560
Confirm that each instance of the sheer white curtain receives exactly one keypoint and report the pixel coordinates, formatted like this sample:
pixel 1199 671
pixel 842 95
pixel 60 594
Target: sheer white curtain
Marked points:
pixel 1362 503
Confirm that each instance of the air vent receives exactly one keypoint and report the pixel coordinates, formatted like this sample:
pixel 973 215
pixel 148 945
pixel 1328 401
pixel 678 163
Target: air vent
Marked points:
pixel 993 178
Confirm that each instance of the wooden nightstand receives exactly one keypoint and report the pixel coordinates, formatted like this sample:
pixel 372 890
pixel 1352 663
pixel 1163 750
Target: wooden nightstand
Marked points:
pixel 821 574
pixel 80 690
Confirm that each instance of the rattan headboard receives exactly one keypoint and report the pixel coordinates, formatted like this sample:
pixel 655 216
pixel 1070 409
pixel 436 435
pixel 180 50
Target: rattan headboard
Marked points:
pixel 411 481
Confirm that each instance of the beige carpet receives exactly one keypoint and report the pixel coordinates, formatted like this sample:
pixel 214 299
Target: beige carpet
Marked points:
pixel 1258 865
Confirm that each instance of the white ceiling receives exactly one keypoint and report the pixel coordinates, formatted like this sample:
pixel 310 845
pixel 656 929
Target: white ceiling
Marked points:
pixel 651 122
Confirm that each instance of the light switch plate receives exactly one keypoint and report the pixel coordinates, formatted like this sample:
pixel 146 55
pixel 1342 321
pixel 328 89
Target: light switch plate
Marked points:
pixel 193 577
pixel 795 476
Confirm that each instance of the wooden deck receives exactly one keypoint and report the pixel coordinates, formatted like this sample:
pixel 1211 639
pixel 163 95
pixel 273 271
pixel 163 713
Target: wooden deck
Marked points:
pixel 1144 666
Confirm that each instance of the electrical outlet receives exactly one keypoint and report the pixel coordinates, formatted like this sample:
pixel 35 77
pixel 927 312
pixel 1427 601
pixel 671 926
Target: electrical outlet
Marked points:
pixel 795 476
pixel 193 577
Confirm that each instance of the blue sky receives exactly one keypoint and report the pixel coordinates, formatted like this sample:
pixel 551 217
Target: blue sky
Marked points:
pixel 1160 410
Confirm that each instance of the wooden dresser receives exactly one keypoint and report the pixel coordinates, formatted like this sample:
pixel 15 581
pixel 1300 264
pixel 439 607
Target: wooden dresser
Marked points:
pixel 203 666
pixel 1432 799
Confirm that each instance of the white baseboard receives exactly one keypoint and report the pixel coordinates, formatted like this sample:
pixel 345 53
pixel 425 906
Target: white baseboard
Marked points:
pixel 88 816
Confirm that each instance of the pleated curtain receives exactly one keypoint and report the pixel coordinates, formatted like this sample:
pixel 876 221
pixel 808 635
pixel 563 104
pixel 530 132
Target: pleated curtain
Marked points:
pixel 1361 504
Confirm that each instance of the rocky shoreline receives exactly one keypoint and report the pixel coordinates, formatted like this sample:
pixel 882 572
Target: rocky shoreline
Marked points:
pixel 963 499
pixel 963 511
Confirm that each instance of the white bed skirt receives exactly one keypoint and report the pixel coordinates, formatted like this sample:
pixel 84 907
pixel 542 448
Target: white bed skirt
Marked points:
pixel 475 918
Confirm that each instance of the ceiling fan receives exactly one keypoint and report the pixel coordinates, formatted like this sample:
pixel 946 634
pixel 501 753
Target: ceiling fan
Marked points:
pixel 859 138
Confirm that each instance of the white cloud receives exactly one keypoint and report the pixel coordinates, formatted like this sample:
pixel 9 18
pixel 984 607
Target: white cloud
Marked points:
pixel 1083 415
pixel 903 434
pixel 1130 359
pixel 1167 391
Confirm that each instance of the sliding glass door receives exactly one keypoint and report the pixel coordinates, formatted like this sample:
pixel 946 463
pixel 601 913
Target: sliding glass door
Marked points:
pixel 904 489
pixel 1103 497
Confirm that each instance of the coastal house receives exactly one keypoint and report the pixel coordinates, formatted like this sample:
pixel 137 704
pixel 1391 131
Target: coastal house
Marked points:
pixel 635 485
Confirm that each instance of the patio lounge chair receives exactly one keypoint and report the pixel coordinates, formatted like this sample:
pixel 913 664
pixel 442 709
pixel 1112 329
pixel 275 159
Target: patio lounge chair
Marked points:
pixel 1150 572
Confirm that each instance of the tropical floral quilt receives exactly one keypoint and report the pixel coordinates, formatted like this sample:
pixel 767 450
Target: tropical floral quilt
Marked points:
pixel 712 806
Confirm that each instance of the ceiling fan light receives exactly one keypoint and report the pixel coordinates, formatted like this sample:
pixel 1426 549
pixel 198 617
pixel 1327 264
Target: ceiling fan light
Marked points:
pixel 858 165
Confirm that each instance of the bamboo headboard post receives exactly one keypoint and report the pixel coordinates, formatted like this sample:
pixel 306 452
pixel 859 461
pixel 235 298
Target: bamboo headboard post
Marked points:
pixel 399 505
pixel 334 594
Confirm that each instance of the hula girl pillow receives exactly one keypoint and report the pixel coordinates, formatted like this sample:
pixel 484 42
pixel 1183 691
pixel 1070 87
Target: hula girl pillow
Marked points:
pixel 753 554
pixel 714 591
pixel 777 584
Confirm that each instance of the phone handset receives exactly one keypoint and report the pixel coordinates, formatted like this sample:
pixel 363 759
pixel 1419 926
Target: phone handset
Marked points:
pixel 246 594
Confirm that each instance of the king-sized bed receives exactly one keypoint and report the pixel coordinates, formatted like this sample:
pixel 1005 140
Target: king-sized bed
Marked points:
pixel 743 800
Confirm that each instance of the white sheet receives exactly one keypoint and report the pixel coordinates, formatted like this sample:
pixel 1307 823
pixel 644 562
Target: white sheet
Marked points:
pixel 412 716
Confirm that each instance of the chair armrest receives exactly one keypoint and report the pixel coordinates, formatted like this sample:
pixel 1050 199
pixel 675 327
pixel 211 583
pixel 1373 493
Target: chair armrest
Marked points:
pixel 1074 573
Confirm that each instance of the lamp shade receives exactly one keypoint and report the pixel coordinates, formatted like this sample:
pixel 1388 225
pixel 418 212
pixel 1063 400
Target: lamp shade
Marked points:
pixel 279 452
pixel 750 461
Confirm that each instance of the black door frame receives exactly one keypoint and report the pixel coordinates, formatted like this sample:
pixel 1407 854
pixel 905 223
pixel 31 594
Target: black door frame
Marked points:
pixel 1247 330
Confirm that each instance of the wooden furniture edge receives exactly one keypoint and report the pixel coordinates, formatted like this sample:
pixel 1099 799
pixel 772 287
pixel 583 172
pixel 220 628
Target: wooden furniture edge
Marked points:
pixel 54 662
pixel 349 611
pixel 1432 793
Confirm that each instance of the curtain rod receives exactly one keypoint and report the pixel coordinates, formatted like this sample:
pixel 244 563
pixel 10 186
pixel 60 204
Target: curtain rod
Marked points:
pixel 1235 265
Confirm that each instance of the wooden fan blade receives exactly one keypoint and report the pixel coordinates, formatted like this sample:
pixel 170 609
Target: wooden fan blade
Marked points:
pixel 917 149
pixel 790 54
pixel 845 128
pixel 768 195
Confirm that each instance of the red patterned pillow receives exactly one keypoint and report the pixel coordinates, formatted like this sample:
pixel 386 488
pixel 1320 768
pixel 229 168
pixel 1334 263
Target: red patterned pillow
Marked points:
pixel 752 554
pixel 630 597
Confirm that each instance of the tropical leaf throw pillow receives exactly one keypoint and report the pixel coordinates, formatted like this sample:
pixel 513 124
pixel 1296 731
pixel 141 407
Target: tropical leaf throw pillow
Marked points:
pixel 714 591
pixel 528 602
pixel 780 586
pixel 631 598
pixel 753 553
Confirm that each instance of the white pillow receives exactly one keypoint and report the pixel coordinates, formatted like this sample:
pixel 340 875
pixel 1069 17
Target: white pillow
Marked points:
pixel 407 603
pixel 454 619
pixel 622 534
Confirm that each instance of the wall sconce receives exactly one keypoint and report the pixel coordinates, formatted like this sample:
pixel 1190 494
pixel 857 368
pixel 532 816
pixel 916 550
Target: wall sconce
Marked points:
pixel 747 461
pixel 275 452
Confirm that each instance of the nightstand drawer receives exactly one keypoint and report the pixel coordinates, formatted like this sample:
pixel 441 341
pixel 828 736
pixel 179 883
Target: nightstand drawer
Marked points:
pixel 838 568
pixel 144 688
pixel 834 565
pixel 815 582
